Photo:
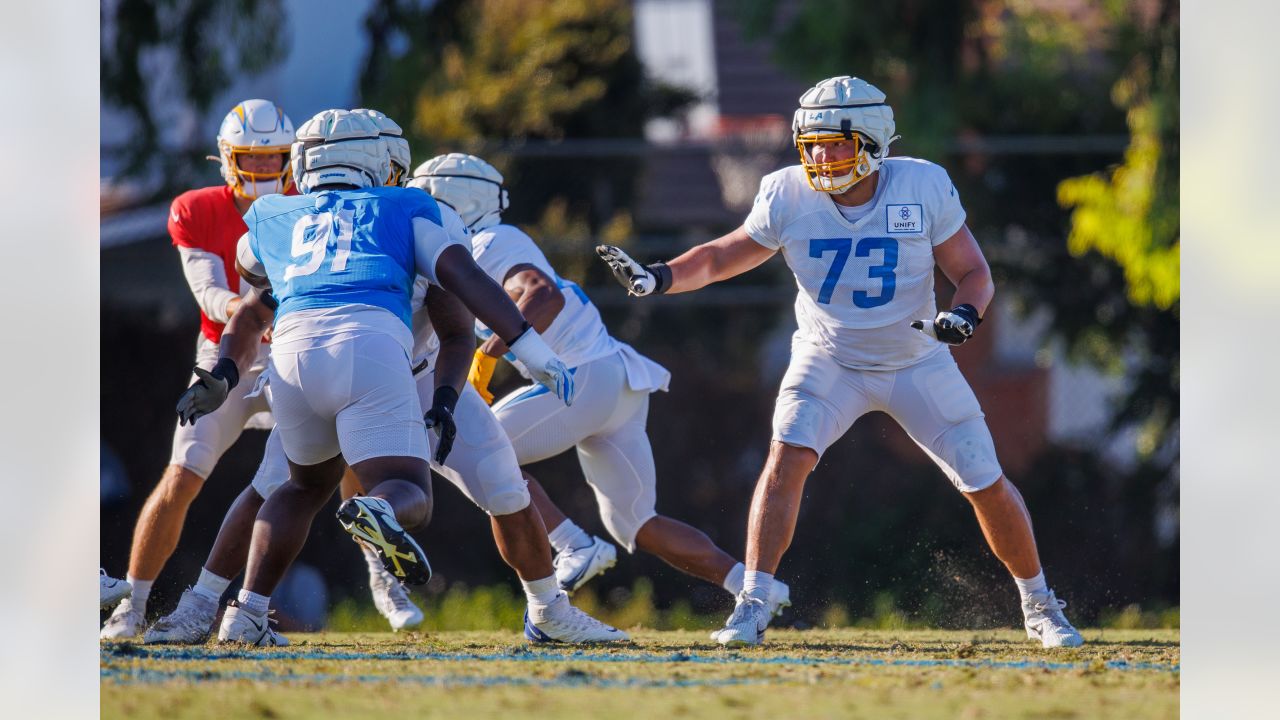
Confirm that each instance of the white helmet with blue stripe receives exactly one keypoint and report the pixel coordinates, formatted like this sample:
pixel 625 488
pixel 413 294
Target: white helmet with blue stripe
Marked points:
pixel 340 147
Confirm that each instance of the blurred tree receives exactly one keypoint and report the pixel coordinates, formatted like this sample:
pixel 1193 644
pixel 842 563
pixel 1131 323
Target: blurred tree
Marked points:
pixel 466 75
pixel 1131 216
pixel 203 42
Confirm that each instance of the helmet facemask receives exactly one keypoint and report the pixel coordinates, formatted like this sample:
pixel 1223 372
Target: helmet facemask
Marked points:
pixel 837 176
pixel 252 185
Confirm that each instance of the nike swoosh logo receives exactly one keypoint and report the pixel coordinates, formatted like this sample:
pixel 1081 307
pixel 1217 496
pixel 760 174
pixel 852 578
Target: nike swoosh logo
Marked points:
pixel 258 626
pixel 174 216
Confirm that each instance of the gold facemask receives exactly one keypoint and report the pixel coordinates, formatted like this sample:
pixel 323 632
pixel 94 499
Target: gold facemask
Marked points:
pixel 837 176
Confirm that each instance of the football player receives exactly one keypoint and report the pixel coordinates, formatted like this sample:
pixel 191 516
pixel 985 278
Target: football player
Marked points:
pixel 342 261
pixel 607 421
pixel 863 232
pixel 205 224
pixel 191 620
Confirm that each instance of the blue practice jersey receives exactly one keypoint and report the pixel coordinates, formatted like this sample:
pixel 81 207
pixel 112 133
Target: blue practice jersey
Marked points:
pixel 341 247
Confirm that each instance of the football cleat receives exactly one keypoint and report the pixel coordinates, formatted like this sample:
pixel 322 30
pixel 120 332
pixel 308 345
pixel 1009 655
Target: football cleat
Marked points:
pixel 190 623
pixel 779 598
pixel 372 521
pixel 111 590
pixel 746 625
pixel 1046 623
pixel 126 622
pixel 393 601
pixel 240 625
pixel 574 567
pixel 561 622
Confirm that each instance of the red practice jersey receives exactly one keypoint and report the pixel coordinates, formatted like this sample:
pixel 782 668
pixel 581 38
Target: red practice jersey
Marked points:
pixel 207 219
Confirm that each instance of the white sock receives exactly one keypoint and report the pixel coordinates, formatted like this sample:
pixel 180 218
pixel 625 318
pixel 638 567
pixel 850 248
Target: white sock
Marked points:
pixel 733 581
pixel 757 584
pixel 141 591
pixel 541 593
pixel 253 602
pixel 211 586
pixel 1031 586
pixel 568 536
pixel 372 559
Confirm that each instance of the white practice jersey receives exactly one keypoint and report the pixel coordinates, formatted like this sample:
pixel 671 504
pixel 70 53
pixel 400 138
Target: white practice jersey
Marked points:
pixel 577 335
pixel 861 283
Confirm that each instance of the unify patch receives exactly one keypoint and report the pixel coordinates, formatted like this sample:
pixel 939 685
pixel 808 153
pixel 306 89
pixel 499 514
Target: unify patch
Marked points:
pixel 904 218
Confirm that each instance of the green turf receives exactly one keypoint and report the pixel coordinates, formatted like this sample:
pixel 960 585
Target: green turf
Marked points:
pixel 674 674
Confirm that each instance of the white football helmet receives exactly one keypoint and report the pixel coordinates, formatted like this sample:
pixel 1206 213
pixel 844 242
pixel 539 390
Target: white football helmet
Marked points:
pixel 843 109
pixel 396 144
pixel 469 185
pixel 339 147
pixel 255 127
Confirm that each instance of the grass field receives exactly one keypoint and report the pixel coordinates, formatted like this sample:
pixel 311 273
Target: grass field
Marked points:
pixel 663 674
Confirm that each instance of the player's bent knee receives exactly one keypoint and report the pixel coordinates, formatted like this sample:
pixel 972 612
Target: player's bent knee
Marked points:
pixel 508 503
pixel 967 455
pixel 502 488
pixel 180 483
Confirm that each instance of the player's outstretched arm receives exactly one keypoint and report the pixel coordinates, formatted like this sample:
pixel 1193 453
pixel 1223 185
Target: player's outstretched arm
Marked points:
pixel 452 322
pixel 238 348
pixel 720 259
pixel 962 262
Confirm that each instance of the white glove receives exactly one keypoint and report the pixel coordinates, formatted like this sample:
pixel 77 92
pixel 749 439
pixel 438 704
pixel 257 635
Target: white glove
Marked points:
pixel 639 280
pixel 544 365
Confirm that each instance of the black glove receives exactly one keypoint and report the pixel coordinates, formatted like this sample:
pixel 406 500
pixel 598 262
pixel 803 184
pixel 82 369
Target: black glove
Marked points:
pixel 208 392
pixel 440 418
pixel 639 280
pixel 953 326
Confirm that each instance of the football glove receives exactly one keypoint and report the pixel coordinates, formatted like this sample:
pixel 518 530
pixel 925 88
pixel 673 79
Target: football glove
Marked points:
pixel 953 326
pixel 639 280
pixel 543 364
pixel 440 419
pixel 208 392
pixel 481 374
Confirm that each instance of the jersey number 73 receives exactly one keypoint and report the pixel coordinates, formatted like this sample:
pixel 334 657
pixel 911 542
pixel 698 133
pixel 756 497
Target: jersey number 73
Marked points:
pixel 819 247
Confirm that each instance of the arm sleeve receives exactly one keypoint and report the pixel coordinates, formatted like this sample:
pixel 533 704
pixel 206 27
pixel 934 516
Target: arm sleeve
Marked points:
pixel 762 222
pixel 247 258
pixel 429 240
pixel 207 277
pixel 949 214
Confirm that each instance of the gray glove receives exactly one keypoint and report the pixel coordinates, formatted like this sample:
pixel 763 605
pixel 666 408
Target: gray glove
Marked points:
pixel 639 280
pixel 208 392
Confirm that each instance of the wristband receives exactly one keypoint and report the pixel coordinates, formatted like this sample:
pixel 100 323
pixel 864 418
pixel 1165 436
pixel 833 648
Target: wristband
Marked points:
pixel 445 397
pixel 225 369
pixel 968 312
pixel 662 274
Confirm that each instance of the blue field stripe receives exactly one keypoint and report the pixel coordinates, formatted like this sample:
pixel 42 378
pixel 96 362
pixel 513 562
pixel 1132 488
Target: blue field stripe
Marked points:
pixel 726 658
pixel 569 679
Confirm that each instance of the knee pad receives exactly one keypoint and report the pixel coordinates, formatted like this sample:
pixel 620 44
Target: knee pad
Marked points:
pixel 969 455
pixel 502 488
pixel 199 457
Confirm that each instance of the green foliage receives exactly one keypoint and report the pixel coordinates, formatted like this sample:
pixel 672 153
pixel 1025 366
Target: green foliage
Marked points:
pixel 517 70
pixel 1131 216
pixel 208 43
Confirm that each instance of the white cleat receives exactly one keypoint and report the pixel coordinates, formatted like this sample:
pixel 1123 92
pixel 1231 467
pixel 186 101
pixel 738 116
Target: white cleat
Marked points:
pixel 746 625
pixel 190 623
pixel 574 567
pixel 779 598
pixel 1046 623
pixel 125 623
pixel 393 601
pixel 111 590
pixel 239 625
pixel 561 622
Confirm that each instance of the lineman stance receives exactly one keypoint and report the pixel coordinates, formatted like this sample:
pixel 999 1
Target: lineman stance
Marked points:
pixel 342 259
pixel 191 620
pixel 253 149
pixel 607 421
pixel 862 233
